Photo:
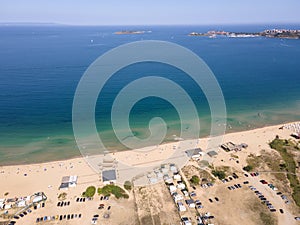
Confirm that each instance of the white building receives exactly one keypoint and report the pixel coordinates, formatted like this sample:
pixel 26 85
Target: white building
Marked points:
pixel 68 181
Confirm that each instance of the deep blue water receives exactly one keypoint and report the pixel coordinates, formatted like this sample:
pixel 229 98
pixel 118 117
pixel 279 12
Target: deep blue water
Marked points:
pixel 40 68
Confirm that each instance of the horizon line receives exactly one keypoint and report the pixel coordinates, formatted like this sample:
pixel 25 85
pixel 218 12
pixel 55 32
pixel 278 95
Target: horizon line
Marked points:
pixel 89 25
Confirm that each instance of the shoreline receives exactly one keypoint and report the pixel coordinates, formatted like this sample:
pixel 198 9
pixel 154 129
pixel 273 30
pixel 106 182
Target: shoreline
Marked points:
pixel 126 151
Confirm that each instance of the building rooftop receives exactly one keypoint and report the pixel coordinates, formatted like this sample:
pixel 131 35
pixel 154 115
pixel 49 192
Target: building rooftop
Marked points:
pixel 109 175
pixel 192 152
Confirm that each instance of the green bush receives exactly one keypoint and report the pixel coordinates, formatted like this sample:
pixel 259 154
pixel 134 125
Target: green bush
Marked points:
pixel 112 189
pixel 195 180
pixel 219 174
pixel 248 168
pixel 89 192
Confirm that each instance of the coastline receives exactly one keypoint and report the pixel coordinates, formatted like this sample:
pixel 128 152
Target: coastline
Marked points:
pixel 78 158
pixel 171 142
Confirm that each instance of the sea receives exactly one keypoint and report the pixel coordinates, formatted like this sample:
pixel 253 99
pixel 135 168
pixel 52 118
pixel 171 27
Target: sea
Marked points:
pixel 41 66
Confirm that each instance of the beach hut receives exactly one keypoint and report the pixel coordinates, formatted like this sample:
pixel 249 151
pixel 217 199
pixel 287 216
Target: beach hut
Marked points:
pixel 212 153
pixel 68 181
pixel 194 153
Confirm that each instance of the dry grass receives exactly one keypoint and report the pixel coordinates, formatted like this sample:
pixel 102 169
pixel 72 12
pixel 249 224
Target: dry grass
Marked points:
pixel 204 175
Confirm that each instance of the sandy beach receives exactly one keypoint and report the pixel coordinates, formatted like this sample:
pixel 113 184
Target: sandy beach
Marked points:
pixel 24 180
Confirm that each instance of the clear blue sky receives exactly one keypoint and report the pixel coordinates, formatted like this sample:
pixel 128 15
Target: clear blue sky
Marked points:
pixel 109 12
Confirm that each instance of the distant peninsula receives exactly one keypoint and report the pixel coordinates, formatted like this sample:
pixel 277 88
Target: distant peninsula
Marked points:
pixel 273 33
pixel 130 32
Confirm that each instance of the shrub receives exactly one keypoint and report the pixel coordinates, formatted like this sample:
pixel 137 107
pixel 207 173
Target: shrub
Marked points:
pixel 89 192
pixel 219 173
pixel 112 189
pixel 195 179
pixel 128 185
pixel 248 168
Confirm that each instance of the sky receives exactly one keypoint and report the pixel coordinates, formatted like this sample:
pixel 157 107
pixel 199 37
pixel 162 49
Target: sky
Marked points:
pixel 146 12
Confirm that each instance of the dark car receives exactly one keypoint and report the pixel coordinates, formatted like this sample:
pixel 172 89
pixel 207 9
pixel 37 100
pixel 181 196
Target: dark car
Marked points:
pixel 217 199
pixel 108 208
pixel 235 176
pixel 101 198
pixel 281 210
pixel 210 200
pixel 246 182
pixel 58 204
pixel 246 175
pixel 279 193
pixel 273 210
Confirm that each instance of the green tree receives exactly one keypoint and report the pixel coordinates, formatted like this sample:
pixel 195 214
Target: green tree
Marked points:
pixel 89 192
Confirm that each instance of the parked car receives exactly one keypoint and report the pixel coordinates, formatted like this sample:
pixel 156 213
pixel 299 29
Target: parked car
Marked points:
pixel 281 210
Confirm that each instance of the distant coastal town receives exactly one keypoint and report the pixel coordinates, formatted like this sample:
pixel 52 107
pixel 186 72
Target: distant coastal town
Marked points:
pixel 273 33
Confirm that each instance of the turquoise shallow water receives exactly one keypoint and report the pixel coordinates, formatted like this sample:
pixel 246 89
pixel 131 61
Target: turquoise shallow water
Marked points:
pixel 40 68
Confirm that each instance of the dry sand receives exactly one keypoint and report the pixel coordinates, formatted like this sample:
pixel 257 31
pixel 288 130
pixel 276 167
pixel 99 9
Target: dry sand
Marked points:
pixel 46 177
